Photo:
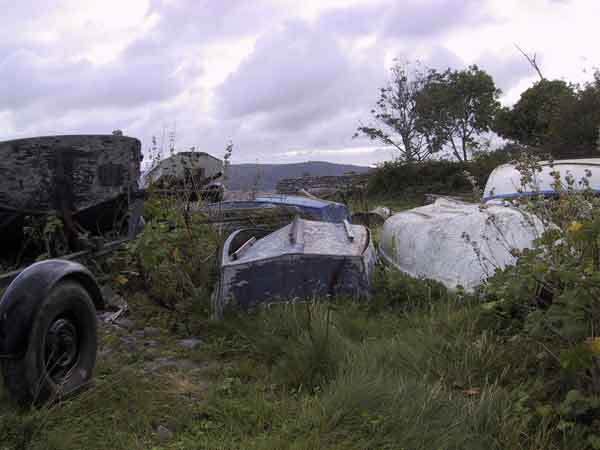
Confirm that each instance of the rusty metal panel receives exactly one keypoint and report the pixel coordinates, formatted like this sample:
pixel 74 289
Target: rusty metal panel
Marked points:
pixel 38 173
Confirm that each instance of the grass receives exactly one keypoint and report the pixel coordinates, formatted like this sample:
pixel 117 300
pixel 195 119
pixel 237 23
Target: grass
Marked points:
pixel 412 369
pixel 388 375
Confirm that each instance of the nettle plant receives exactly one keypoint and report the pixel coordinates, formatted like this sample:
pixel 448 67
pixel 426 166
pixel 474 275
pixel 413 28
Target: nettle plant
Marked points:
pixel 551 296
pixel 558 281
pixel 176 252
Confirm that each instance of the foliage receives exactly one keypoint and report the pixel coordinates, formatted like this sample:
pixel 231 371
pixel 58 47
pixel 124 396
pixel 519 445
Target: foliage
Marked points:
pixel 455 107
pixel 560 117
pixel 396 117
pixel 550 299
pixel 175 254
pixel 530 120
pixel 439 177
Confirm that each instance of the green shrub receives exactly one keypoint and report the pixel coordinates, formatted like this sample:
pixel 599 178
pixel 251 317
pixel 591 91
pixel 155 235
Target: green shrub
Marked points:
pixel 399 178
pixel 176 255
pixel 550 302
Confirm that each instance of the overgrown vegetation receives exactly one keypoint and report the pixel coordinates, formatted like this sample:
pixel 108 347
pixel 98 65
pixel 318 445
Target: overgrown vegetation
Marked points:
pixel 423 113
pixel 394 179
pixel 418 367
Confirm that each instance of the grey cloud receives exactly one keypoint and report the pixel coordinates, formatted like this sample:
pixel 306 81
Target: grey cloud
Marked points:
pixel 406 19
pixel 28 79
pixel 441 58
pixel 297 76
pixel 419 18
pixel 285 69
pixel 188 21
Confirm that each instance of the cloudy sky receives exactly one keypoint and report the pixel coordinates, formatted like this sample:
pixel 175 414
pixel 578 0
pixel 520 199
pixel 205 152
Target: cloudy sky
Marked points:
pixel 285 80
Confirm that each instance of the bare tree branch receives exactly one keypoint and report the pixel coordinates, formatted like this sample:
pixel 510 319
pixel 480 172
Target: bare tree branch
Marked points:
pixel 532 61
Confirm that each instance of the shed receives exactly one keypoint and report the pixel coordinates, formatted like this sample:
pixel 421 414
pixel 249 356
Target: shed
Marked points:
pixel 182 165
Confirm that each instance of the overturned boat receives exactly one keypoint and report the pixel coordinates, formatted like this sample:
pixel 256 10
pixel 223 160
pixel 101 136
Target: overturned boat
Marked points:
pixel 274 211
pixel 462 244
pixel 304 260
pixel 457 243
pixel 507 182
pixel 308 208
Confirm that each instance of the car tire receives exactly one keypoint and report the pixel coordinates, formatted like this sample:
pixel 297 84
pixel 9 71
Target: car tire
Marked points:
pixel 61 351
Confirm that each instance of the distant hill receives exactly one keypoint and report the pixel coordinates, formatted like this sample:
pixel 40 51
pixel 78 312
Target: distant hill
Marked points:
pixel 243 176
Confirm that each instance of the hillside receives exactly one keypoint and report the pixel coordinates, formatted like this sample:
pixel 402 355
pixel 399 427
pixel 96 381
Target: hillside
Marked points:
pixel 243 176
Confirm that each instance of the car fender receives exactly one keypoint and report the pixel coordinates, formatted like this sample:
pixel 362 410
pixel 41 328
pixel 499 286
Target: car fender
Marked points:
pixel 27 292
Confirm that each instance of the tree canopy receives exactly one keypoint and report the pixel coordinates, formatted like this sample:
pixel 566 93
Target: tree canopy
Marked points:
pixel 558 117
pixel 395 114
pixel 422 112
pixel 455 107
pixel 530 120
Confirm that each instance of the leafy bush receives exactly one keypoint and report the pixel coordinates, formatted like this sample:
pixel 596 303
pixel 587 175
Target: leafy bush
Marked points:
pixel 550 301
pixel 175 255
pixel 439 177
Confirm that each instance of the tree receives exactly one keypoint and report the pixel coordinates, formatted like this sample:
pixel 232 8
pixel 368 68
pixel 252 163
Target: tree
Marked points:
pixel 455 107
pixel 556 116
pixel 530 120
pixel 395 114
pixel 574 130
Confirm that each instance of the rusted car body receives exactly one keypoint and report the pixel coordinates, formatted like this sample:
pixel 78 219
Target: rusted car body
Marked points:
pixel 90 182
pixel 86 188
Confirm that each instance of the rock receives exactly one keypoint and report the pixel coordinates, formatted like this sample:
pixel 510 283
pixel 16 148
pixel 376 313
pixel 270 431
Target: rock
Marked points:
pixel 117 302
pixel 129 344
pixel 152 331
pixel 150 354
pixel 124 323
pixel 164 434
pixel 112 299
pixel 190 343
pixel 139 333
pixel 186 364
pixel 107 292
pixel 151 343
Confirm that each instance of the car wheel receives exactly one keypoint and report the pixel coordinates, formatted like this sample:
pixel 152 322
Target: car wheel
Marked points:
pixel 61 352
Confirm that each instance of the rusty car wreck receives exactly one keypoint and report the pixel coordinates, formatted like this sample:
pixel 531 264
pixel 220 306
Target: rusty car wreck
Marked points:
pixel 48 325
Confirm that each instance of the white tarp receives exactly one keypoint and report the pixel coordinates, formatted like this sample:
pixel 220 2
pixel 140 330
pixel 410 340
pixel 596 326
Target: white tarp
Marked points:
pixel 457 243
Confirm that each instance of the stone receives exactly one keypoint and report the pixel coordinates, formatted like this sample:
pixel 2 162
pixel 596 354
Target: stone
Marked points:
pixel 186 364
pixel 124 323
pixel 107 292
pixel 151 343
pixel 321 185
pixel 164 434
pixel 190 343
pixel 117 302
pixel 152 331
pixel 129 344
pixel 112 299
pixel 139 333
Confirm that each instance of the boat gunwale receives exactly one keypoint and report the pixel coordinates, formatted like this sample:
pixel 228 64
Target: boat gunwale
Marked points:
pixel 226 260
